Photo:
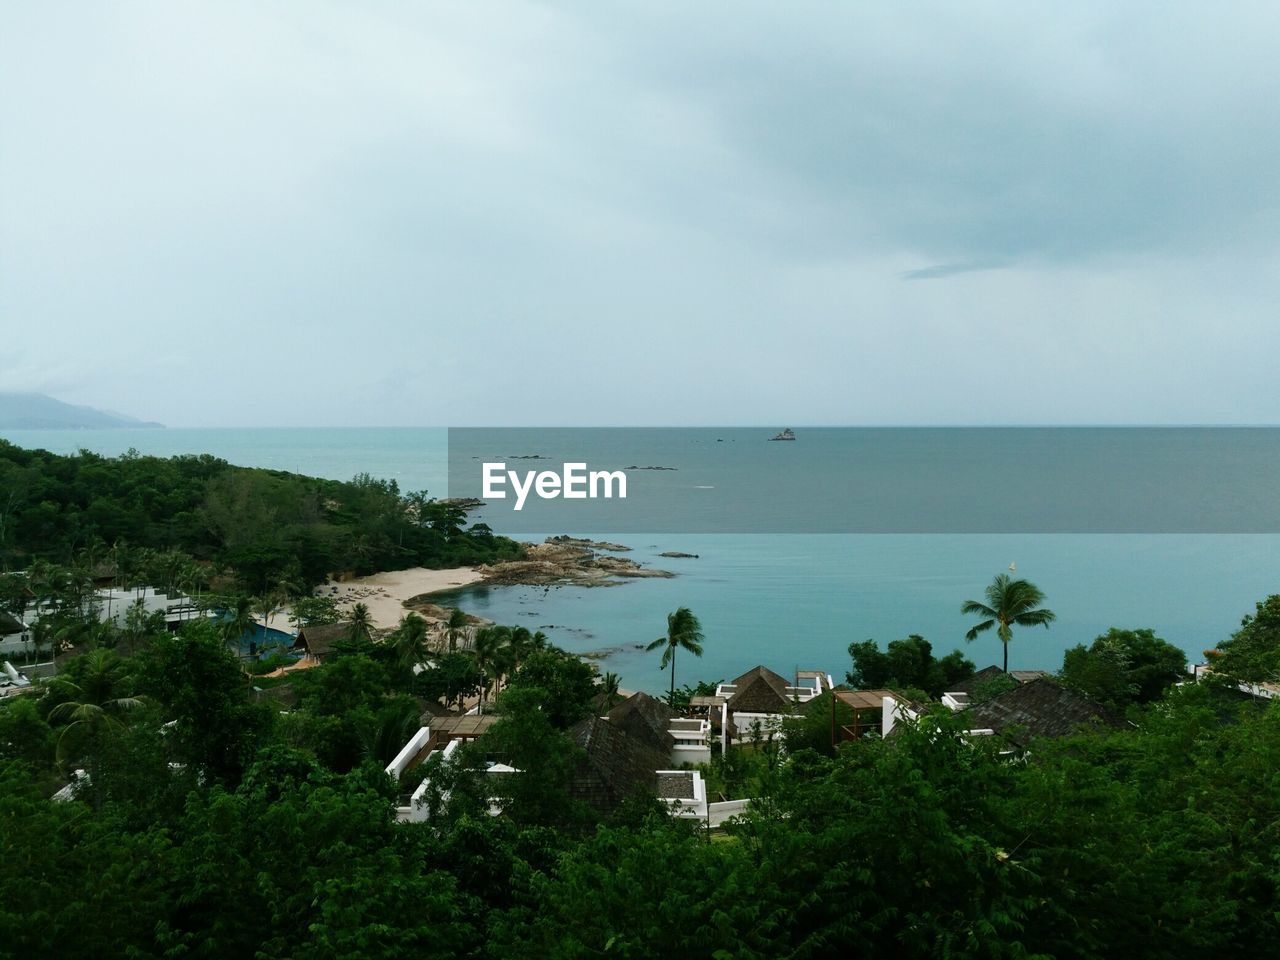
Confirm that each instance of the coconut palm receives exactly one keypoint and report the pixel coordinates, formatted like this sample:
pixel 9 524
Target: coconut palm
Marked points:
pixel 609 685
pixel 410 642
pixel 239 621
pixel 98 701
pixel 1009 603
pixel 454 628
pixel 683 631
pixel 361 622
pixel 493 652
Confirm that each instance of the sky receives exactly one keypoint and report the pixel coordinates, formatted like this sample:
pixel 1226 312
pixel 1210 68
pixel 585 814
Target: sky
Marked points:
pixel 450 214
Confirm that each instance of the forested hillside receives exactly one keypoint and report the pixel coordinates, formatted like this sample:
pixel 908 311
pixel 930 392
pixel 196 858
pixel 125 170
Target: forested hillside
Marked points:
pixel 263 525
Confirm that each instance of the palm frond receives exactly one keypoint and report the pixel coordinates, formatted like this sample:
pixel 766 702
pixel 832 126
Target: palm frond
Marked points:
pixel 980 628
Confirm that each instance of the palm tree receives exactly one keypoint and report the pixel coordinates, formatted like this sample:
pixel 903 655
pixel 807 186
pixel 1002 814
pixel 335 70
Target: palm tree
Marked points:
pixel 683 630
pixel 609 687
pixel 1009 603
pixel 361 622
pixel 239 621
pixel 492 651
pixel 410 643
pixel 456 625
pixel 97 702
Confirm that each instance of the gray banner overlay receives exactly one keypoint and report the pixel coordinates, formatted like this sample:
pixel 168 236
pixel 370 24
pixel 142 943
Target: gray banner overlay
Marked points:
pixel 878 480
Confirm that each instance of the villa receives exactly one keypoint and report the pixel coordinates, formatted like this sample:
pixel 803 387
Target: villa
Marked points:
pixel 759 700
pixel 684 740
pixel 114 605
pixel 1038 706
pixel 14 635
pixel 626 754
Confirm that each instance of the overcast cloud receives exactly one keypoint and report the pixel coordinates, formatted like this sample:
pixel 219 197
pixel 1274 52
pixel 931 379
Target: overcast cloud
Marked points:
pixel 658 213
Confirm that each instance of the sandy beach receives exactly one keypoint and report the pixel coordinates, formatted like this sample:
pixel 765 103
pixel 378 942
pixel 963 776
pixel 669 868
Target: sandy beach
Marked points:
pixel 384 593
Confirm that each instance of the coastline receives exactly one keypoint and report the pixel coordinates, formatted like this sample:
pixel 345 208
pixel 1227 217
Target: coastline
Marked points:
pixel 385 593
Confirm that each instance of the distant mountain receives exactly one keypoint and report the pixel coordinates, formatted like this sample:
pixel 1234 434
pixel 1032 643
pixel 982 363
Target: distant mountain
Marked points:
pixel 35 411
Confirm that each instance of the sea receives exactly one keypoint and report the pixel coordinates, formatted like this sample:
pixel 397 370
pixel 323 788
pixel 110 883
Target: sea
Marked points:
pixel 792 601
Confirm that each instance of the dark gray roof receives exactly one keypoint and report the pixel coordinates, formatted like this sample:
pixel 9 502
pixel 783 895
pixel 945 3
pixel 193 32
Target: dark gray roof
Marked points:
pixel 647 719
pixel 760 690
pixel 760 670
pixel 970 684
pixel 615 766
pixel 1039 708
pixel 1025 676
pixel 675 786
pixel 9 624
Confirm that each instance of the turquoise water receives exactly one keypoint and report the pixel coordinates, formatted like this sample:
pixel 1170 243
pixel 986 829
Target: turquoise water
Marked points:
pixel 795 600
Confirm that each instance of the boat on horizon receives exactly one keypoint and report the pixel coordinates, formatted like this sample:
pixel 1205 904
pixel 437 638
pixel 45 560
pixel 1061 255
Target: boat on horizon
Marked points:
pixel 786 434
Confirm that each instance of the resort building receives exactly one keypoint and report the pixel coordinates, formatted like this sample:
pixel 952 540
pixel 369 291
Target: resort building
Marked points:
pixel 616 764
pixel 114 605
pixel 14 635
pixel 1259 691
pixel 756 702
pixel 684 740
pixel 1038 706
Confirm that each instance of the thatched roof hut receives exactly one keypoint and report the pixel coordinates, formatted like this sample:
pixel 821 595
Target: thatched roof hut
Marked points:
pixel 317 640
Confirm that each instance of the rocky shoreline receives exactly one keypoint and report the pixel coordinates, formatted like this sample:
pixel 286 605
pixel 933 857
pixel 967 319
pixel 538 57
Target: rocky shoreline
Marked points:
pixel 569 561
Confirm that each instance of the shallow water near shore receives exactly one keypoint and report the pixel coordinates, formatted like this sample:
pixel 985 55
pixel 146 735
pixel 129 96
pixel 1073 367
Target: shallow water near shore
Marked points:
pixel 792 600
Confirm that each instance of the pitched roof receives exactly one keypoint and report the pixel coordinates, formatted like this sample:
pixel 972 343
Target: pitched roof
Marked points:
pixel 646 718
pixel 318 638
pixel 760 670
pixel 1039 708
pixel 969 684
pixel 1026 676
pixel 10 624
pixel 760 690
pixel 616 765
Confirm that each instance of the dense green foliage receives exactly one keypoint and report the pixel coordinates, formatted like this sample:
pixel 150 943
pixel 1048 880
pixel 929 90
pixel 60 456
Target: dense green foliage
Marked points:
pixel 1124 667
pixel 1160 841
pixel 213 815
pixel 1253 652
pixel 905 665
pixel 266 526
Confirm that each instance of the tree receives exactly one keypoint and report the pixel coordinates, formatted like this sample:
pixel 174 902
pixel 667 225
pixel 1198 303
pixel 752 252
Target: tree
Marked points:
pixel 102 697
pixel 455 677
pixel 361 623
pixel 409 645
pixel 526 737
pixel 683 632
pixel 907 664
pixel 239 622
pixel 201 688
pixel 492 652
pixel 566 684
pixel 454 627
pixel 609 685
pixel 1253 652
pixel 1122 667
pixel 318 610
pixel 266 606
pixel 1009 603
